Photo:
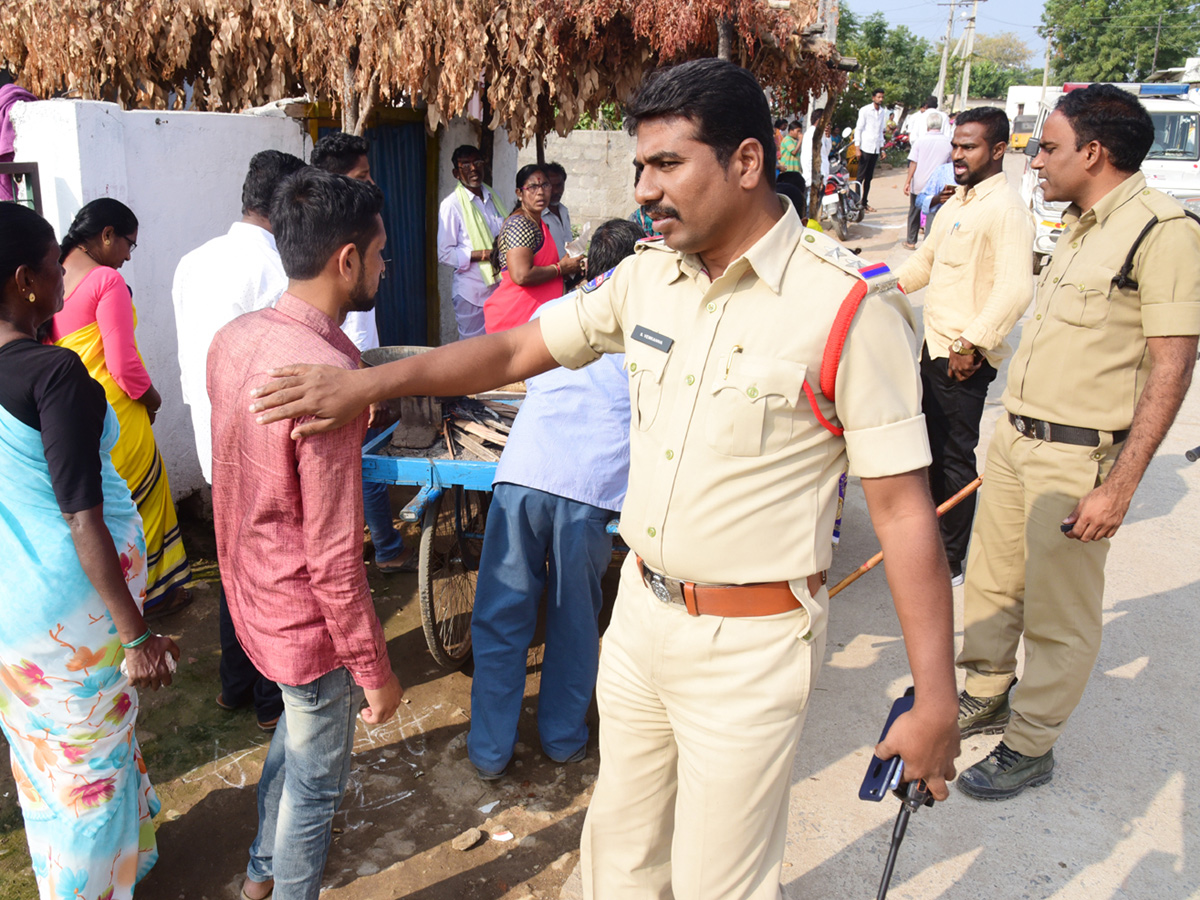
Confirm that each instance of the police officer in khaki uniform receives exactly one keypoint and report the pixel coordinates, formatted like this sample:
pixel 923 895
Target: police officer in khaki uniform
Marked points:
pixel 1095 384
pixel 736 450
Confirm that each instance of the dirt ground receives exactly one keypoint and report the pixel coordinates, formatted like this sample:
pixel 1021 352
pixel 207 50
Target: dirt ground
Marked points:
pixel 411 792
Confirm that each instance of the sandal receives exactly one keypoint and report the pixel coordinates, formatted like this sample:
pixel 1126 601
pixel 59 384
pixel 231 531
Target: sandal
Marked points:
pixel 406 562
pixel 248 881
pixel 178 600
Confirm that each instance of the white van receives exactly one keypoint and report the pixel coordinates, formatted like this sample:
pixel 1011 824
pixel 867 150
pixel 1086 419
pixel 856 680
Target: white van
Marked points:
pixel 1171 166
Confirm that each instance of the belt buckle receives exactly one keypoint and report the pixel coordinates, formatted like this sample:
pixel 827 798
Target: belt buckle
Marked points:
pixel 659 586
pixel 1020 423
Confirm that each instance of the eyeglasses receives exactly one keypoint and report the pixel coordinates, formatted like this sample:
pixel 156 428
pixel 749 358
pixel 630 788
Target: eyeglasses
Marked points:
pixel 383 274
pixel 132 243
pixel 470 164
pixel 537 186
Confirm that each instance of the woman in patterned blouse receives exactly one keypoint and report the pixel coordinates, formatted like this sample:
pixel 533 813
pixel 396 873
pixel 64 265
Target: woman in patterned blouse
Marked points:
pixel 530 273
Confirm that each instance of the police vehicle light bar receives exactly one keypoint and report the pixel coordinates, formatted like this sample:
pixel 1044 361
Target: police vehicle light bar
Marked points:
pixel 1143 90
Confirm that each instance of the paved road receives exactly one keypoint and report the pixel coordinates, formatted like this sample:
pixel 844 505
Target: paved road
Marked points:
pixel 1119 821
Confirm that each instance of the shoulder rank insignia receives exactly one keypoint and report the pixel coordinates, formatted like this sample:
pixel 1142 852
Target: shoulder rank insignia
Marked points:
pixel 598 280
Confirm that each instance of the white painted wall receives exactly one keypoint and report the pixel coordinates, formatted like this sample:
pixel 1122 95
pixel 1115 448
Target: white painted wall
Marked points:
pixel 1028 94
pixel 181 173
pixel 457 132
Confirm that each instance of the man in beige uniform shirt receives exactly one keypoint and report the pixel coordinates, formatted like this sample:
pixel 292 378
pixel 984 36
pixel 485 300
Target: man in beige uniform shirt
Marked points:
pixel 976 263
pixel 719 625
pixel 1095 384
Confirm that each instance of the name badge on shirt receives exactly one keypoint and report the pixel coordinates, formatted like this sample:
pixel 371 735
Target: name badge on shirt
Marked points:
pixel 653 338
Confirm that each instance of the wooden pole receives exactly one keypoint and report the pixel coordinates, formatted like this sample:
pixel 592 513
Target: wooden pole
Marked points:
pixel 878 557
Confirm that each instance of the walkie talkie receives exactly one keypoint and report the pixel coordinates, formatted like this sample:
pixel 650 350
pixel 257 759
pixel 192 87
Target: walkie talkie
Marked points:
pixel 885 775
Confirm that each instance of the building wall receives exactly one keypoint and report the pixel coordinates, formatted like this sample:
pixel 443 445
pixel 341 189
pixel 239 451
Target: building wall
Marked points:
pixel 599 168
pixel 181 173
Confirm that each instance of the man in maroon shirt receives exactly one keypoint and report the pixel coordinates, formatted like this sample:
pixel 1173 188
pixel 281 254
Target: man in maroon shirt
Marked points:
pixel 288 518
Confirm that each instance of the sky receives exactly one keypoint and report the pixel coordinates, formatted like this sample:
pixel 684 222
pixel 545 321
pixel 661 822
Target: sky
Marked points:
pixel 928 18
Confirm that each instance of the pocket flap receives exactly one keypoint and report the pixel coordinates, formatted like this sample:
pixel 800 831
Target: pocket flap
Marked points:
pixel 756 378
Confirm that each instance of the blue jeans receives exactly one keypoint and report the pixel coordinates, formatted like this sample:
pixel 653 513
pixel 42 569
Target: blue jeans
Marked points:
pixel 302 784
pixel 534 539
pixel 377 510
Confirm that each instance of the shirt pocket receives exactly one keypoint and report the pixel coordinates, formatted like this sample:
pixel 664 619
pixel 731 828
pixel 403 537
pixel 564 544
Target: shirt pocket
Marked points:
pixel 753 405
pixel 1084 301
pixel 645 366
pixel 956 249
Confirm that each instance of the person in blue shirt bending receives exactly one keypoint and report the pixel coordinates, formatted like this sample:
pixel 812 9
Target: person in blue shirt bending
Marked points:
pixel 560 480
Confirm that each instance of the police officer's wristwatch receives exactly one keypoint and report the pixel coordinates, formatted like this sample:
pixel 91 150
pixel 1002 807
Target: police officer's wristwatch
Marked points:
pixel 961 349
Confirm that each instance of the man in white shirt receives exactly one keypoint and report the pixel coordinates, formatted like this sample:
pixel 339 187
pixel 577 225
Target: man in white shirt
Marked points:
pixel 557 217
pixel 868 137
pixel 469 255
pixel 926 155
pixel 346 154
pixel 918 124
pixel 816 120
pixel 236 273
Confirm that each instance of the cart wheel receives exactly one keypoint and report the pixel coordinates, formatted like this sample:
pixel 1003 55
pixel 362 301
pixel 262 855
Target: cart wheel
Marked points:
pixel 451 541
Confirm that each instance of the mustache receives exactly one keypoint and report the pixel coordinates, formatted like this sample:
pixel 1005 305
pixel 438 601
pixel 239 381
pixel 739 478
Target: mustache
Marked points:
pixel 661 212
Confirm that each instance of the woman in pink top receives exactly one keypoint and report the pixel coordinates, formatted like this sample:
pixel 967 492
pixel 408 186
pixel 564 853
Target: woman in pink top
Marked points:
pixel 97 321
pixel 530 272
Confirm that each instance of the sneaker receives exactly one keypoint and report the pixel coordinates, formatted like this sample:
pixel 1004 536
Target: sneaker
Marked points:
pixel 1005 773
pixel 956 574
pixel 982 715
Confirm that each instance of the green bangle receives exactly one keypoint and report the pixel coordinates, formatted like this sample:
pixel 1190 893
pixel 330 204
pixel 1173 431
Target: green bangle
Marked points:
pixel 133 645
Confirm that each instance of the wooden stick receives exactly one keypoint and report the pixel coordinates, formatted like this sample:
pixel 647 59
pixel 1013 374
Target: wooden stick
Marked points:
pixel 449 440
pixel 477 448
pixel 878 557
pixel 482 431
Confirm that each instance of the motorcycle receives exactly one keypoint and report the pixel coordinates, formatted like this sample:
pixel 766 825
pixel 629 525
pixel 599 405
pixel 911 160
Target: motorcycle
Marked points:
pixel 842 202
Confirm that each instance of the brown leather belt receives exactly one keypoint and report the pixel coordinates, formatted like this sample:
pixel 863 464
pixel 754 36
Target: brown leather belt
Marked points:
pixel 727 600
pixel 1060 434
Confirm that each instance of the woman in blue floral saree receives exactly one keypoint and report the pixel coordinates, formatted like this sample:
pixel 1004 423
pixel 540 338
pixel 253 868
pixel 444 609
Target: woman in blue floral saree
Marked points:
pixel 72 584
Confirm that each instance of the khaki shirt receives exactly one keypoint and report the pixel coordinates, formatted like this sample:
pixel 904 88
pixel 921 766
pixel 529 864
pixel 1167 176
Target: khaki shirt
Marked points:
pixel 1082 359
pixel 976 261
pixel 732 479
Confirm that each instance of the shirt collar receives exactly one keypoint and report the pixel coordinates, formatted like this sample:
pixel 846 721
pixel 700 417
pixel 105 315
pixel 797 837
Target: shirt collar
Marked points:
pixel 768 257
pixel 1109 203
pixel 315 320
pixel 249 232
pixel 981 190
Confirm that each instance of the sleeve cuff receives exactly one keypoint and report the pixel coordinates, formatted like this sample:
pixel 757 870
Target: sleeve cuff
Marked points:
pixel 374 677
pixel 565 338
pixel 981 336
pixel 891 449
pixel 1171 319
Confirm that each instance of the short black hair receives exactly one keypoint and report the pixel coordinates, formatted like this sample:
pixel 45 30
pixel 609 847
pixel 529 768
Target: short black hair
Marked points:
pixel 816 115
pixel 724 101
pixel 25 237
pixel 612 242
pixel 795 123
pixel 463 150
pixel 781 123
pixel 315 213
pixel 931 102
pixel 526 172
pixel 338 152
pixel 94 217
pixel 553 168
pixel 267 169
pixel 993 120
pixel 1115 118
pixel 877 90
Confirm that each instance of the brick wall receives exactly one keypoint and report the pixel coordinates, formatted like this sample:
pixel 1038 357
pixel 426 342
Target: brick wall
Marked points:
pixel 599 168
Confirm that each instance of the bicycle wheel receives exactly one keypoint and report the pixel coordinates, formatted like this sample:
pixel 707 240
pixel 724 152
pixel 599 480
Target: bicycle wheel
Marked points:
pixel 451 542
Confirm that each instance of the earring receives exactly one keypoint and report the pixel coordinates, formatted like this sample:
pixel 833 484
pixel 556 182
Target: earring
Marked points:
pixel 32 297
pixel 107 242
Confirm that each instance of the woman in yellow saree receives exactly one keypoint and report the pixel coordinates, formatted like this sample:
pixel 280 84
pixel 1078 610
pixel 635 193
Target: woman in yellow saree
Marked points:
pixel 97 322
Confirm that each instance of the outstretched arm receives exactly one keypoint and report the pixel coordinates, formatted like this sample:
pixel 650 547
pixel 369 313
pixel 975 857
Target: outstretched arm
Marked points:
pixel 927 737
pixel 1100 513
pixel 333 396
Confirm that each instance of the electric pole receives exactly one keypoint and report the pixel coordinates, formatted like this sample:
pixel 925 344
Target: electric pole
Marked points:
pixel 1157 34
pixel 968 52
pixel 940 92
pixel 1046 65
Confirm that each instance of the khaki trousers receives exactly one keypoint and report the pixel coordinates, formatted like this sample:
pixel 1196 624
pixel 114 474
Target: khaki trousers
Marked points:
pixel 1026 579
pixel 699 721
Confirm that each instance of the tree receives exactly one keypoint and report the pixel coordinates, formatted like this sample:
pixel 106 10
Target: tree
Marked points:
pixel 1119 40
pixel 894 59
pixel 1005 50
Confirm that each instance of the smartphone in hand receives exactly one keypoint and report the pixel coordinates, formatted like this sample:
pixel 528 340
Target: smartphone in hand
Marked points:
pixel 883 775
